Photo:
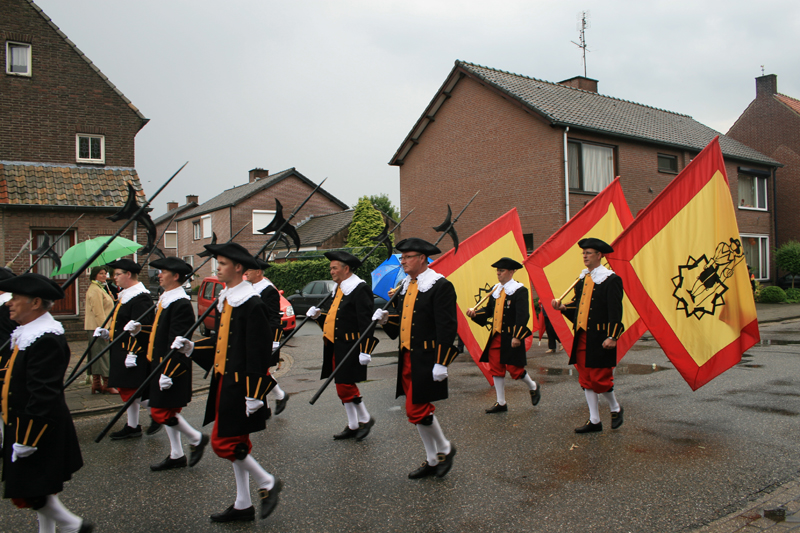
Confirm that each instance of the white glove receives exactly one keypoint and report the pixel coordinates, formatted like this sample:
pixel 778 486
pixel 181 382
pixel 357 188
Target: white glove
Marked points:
pixel 164 382
pixel 133 327
pixel 183 345
pixel 364 358
pixel 275 346
pixel 130 360
pixel 313 312
pixel 101 332
pixel 18 451
pixel 252 405
pixel 381 316
pixel 439 372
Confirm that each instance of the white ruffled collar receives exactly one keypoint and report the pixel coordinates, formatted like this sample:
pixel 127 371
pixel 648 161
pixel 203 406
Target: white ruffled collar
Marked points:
pixel 172 296
pixel 599 274
pixel 24 336
pixel 6 296
pixel 510 287
pixel 259 286
pixel 126 295
pixel 425 281
pixel 349 284
pixel 237 295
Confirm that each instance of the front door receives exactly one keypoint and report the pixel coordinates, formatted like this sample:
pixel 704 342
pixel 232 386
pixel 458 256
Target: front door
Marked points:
pixel 68 305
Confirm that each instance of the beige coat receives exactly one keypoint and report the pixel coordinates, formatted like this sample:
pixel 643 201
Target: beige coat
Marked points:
pixel 98 305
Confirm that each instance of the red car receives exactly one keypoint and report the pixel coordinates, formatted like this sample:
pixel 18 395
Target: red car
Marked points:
pixel 210 289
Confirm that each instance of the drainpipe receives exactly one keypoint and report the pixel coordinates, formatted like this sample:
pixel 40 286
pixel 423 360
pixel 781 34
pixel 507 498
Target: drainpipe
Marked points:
pixel 774 216
pixel 135 239
pixel 566 171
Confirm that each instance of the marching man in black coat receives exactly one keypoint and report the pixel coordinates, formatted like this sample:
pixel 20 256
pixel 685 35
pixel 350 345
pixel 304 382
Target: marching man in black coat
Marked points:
pixel 596 314
pixel 6 327
pixel 272 299
pixel 173 390
pixel 129 365
pixel 427 326
pixel 509 309
pixel 342 324
pixel 239 354
pixel 41 448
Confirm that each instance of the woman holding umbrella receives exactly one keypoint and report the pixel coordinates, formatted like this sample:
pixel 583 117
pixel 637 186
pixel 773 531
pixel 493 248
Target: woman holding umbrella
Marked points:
pixel 99 305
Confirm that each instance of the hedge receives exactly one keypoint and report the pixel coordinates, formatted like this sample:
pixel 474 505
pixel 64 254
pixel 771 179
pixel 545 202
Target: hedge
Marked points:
pixel 773 295
pixel 793 295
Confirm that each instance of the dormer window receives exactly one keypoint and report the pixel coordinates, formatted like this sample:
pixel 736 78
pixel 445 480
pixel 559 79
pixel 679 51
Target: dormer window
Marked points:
pixel 90 148
pixel 18 58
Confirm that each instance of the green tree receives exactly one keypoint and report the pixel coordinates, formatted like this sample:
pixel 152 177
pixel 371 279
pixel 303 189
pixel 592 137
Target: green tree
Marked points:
pixel 382 203
pixel 367 223
pixel 787 257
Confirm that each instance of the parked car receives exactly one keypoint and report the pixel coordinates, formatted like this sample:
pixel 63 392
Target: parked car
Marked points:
pixel 210 289
pixel 315 291
pixel 785 282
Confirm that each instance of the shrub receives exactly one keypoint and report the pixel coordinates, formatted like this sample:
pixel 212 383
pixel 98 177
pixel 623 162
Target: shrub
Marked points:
pixel 793 295
pixel 773 295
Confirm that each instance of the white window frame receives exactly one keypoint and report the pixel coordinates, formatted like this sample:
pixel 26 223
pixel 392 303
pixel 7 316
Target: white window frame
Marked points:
pixel 261 214
pixel 214 266
pixel 205 221
pixel 90 136
pixel 197 230
pixel 581 177
pixel 166 246
pixel 760 275
pixel 189 259
pixel 766 192
pixel 9 44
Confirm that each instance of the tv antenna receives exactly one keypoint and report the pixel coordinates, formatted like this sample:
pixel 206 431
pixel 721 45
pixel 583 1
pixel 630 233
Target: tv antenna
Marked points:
pixel 583 24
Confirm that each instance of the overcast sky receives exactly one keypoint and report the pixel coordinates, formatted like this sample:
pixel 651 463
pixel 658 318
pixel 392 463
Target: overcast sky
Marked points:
pixel 333 87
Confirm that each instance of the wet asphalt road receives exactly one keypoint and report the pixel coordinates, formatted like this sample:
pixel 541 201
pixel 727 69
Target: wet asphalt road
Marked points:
pixel 680 460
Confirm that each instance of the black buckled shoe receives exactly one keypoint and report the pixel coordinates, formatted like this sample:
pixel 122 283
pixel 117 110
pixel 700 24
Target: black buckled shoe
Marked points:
pixel 588 427
pixel 280 405
pixel 616 419
pixel 497 408
pixel 536 395
pixel 269 498
pixel 154 428
pixel 169 463
pixel 196 452
pixel 445 461
pixel 86 527
pixel 425 470
pixel 347 433
pixel 363 429
pixel 127 432
pixel 235 515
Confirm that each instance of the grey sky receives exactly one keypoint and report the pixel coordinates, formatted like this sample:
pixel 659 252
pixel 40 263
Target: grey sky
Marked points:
pixel 332 87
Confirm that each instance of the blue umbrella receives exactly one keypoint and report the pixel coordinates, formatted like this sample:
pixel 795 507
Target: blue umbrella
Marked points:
pixel 388 275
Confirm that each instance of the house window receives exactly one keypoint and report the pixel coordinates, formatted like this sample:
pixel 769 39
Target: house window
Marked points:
pixel 171 239
pixel 188 259
pixel 756 254
pixel 528 238
pixel 667 163
pixel 18 58
pixel 752 192
pixel 197 231
pixel 206 221
pixel 261 219
pixel 591 166
pixel 90 148
pixel 214 266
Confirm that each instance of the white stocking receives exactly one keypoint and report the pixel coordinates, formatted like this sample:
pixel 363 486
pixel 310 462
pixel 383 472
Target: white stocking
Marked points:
pixel 133 413
pixel 442 444
pixel 192 434
pixel 243 500
pixel 277 392
pixel 429 442
pixel 352 415
pixel 55 510
pixel 594 412
pixel 611 398
pixel 500 388
pixel 176 449
pixel 263 479
pixel 46 524
pixel 363 414
pixel 528 381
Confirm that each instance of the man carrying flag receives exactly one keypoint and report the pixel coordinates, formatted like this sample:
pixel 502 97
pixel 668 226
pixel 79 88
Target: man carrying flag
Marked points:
pixel 509 308
pixel 596 314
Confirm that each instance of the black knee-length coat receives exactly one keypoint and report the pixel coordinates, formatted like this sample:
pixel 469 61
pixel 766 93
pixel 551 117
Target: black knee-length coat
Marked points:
pixel 119 374
pixel 174 320
pixel 516 313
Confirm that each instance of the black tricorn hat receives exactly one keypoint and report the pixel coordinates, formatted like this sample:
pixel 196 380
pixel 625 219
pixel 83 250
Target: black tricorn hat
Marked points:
pixel 417 245
pixel 5 273
pixel 127 265
pixel 507 263
pixel 348 259
pixel 33 285
pixel 235 252
pixel 262 265
pixel 595 244
pixel 173 264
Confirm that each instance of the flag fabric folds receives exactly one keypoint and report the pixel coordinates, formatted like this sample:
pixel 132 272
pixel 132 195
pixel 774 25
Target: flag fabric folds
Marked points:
pixel 555 265
pixel 472 275
pixel 684 269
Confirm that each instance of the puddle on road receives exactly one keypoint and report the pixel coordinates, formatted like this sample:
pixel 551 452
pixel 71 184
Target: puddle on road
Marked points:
pixel 776 342
pixel 633 369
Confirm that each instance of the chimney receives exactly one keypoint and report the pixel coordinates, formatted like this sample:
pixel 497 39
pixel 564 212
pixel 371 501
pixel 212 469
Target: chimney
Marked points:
pixel 257 174
pixel 579 82
pixel 172 205
pixel 767 86
pixel 191 198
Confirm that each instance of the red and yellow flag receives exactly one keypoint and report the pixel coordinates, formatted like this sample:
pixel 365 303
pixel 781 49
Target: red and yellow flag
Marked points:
pixel 472 275
pixel 684 269
pixel 555 265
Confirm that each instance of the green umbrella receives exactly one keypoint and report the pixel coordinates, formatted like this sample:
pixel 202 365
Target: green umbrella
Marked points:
pixel 76 256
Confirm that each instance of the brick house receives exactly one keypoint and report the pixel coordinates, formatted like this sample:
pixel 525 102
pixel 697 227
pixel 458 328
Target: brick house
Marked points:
pixel 547 149
pixel 253 203
pixel 169 243
pixel 66 145
pixel 771 125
